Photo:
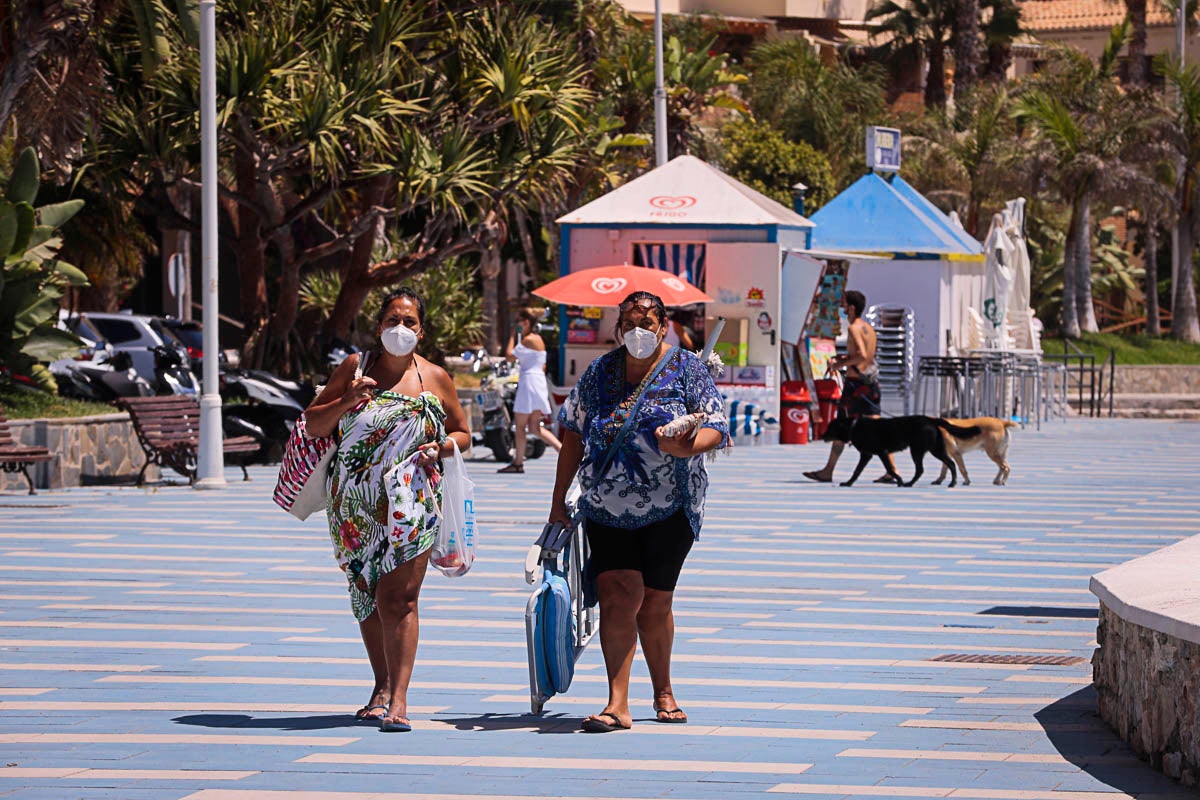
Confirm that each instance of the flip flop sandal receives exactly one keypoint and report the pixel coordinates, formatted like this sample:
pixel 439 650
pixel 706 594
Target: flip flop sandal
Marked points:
pixel 364 714
pixel 512 468
pixel 395 725
pixel 670 715
pixel 816 476
pixel 596 724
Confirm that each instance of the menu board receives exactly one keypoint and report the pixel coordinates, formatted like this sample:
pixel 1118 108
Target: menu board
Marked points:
pixel 583 324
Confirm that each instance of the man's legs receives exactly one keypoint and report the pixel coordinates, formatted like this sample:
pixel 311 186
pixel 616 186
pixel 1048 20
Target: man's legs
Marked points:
pixel 825 474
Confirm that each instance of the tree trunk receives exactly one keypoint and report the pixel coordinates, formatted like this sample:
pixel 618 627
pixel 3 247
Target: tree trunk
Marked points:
pixel 966 49
pixel 489 271
pixel 1137 43
pixel 532 262
pixel 356 280
pixel 1070 318
pixel 935 81
pixel 1184 323
pixel 999 59
pixel 1086 309
pixel 1150 258
pixel 251 260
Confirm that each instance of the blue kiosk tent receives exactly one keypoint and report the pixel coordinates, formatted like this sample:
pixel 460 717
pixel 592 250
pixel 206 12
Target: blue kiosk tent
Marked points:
pixel 922 259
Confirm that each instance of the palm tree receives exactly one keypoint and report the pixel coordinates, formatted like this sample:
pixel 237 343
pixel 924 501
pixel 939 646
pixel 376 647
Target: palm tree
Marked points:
pixel 824 105
pixel 1083 125
pixel 966 48
pixel 1000 29
pixel 978 142
pixel 51 80
pixel 1185 84
pixel 918 31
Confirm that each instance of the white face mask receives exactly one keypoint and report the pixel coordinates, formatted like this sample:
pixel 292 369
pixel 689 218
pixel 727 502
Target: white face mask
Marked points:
pixel 399 341
pixel 641 343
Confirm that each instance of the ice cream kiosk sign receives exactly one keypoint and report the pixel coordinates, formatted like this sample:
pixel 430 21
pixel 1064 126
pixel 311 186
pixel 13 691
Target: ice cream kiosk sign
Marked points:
pixel 883 149
pixel 669 206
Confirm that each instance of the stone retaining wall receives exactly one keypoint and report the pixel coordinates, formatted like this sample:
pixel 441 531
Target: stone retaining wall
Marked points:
pixel 1146 669
pixel 88 451
pixel 1146 682
pixel 1156 379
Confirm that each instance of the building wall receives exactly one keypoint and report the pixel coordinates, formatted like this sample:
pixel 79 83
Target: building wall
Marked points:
pixel 1159 40
pixel 794 9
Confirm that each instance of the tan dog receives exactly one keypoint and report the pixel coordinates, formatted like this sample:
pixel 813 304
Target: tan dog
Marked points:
pixel 993 438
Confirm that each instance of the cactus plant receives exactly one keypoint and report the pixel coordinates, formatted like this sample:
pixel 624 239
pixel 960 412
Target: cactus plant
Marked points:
pixel 32 278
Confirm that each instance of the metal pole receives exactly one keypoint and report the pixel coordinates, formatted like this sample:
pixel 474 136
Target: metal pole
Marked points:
pixel 660 94
pixel 1181 52
pixel 210 472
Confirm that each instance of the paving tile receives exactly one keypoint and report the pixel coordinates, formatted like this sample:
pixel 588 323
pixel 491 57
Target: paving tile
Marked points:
pixel 807 616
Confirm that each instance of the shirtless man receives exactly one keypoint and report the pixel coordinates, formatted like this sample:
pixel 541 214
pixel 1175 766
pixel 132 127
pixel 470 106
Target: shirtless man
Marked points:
pixel 860 389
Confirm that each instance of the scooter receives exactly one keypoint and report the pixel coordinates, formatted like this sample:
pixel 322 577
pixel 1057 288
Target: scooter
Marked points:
pixel 173 372
pixel 495 398
pixel 102 379
pixel 261 405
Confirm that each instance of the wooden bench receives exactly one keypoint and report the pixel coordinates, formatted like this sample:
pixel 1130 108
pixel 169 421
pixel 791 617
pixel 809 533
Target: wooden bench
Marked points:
pixel 16 457
pixel 168 429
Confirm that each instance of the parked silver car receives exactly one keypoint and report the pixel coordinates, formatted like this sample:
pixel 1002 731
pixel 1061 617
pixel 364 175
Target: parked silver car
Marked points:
pixel 136 334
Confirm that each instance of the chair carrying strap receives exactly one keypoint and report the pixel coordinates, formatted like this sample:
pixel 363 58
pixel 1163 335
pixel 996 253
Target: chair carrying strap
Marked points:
pixel 616 442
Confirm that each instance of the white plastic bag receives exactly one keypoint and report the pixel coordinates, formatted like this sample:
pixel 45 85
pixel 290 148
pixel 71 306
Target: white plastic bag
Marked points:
pixel 454 547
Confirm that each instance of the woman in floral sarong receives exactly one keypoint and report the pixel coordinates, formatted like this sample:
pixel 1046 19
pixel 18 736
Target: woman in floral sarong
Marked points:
pixel 393 425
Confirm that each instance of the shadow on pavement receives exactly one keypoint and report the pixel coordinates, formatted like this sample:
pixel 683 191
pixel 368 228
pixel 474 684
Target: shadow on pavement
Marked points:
pixel 1076 730
pixel 505 722
pixel 315 723
pixel 1043 611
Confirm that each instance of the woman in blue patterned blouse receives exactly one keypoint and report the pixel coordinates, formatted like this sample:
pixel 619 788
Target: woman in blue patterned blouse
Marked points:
pixel 644 511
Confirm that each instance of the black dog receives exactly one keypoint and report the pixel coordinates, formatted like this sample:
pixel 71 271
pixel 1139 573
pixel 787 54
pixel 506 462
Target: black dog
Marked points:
pixel 878 437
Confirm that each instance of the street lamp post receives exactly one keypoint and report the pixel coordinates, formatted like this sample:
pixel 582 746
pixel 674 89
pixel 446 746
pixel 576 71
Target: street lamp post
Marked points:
pixel 660 93
pixel 210 466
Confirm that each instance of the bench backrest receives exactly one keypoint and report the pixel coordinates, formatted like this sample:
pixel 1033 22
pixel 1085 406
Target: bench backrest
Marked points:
pixel 164 418
pixel 6 437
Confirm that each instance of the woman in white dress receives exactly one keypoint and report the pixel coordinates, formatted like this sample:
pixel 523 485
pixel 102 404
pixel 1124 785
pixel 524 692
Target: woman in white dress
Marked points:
pixel 533 394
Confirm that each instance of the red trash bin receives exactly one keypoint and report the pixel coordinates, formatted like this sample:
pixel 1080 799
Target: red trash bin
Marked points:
pixel 794 423
pixel 829 392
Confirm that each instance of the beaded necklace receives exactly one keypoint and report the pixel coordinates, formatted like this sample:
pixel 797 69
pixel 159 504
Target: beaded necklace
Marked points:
pixel 621 413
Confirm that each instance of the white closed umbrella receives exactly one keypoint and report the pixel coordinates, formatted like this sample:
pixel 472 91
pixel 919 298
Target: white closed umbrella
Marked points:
pixel 998 279
pixel 1020 315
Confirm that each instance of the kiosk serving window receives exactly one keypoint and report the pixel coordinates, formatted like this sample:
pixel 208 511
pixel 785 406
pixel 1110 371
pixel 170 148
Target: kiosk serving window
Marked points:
pixel 685 259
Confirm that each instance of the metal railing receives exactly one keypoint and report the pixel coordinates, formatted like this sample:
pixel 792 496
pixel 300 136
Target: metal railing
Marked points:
pixel 1085 379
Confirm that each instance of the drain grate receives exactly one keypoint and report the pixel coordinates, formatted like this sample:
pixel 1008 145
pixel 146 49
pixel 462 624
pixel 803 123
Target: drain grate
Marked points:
pixel 1045 661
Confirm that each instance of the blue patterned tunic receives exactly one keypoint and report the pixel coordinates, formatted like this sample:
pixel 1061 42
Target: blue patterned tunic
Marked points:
pixel 643 485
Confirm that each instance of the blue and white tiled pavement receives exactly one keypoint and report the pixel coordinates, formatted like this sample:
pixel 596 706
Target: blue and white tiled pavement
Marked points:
pixel 169 643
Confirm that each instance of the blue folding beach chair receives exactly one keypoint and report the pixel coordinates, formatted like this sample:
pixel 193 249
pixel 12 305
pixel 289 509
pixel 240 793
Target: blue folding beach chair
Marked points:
pixel 558 621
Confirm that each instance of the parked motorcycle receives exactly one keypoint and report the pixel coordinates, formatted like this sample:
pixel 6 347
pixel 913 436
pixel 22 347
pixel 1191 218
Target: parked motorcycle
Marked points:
pixel 262 405
pixel 102 379
pixel 173 372
pixel 497 391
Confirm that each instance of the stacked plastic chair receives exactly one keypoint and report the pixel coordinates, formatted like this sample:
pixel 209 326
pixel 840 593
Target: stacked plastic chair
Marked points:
pixel 895 343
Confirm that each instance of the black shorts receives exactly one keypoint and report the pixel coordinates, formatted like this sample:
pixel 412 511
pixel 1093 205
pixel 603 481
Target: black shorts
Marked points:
pixel 656 550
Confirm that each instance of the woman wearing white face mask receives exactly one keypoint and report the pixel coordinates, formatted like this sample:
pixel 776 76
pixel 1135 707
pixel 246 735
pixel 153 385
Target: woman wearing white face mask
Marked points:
pixel 643 499
pixel 393 425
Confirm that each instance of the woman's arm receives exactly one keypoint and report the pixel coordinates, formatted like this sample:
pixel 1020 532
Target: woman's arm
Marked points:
pixel 456 419
pixel 342 393
pixel 512 345
pixel 569 459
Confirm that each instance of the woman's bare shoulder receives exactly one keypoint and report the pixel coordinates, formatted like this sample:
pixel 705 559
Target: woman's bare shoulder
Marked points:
pixel 534 342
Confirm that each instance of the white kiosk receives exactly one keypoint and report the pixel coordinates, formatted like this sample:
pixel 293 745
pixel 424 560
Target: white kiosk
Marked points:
pixel 691 219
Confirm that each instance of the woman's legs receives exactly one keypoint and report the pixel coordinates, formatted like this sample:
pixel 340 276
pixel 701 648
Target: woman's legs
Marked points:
pixel 656 629
pixel 519 451
pixel 536 428
pixel 396 604
pixel 372 635
pixel 620 592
